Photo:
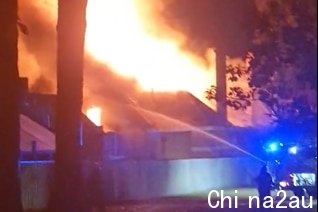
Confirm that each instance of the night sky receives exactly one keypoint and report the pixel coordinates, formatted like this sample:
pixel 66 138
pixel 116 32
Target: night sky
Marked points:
pixel 211 22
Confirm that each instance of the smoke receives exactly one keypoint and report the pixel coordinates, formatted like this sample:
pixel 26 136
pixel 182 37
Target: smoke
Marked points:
pixel 37 56
pixel 102 83
pixel 211 23
pixel 194 25
pixel 37 51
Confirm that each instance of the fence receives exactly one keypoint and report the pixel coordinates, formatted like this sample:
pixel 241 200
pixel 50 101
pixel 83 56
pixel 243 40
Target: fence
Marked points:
pixel 145 179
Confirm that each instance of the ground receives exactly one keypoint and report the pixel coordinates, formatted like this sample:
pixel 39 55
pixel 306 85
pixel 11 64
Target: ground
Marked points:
pixel 192 203
pixel 197 203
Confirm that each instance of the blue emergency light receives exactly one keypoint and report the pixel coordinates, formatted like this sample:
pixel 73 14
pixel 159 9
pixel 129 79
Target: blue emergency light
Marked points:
pixel 272 147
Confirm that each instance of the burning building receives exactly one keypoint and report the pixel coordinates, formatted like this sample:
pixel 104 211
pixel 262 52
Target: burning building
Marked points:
pixel 157 129
pixel 154 131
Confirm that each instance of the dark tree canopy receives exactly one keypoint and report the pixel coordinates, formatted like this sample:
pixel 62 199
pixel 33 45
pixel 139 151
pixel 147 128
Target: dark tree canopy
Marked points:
pixel 282 63
pixel 284 67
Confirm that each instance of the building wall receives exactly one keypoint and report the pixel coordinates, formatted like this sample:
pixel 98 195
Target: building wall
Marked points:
pixel 174 145
pixel 36 179
pixel 164 178
pixel 145 179
pixel 153 145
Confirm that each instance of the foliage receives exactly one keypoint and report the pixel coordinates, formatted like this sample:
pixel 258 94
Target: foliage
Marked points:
pixel 282 65
pixel 237 97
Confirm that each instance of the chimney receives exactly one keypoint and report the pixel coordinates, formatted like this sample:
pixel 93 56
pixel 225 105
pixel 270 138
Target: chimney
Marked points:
pixel 23 91
pixel 221 85
pixel 23 85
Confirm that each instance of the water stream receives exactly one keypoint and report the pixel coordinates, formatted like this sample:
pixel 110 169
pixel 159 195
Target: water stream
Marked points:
pixel 143 111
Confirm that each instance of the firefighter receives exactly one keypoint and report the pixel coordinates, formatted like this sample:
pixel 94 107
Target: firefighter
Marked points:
pixel 264 184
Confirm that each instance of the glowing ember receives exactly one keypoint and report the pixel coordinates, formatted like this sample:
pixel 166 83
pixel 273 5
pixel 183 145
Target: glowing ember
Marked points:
pixel 117 35
pixel 94 114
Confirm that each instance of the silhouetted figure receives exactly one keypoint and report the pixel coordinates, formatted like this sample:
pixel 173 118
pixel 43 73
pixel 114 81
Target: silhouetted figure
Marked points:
pixel 95 190
pixel 264 184
pixel 296 188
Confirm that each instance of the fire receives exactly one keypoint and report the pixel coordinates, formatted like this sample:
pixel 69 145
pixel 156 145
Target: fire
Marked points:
pixel 117 35
pixel 94 114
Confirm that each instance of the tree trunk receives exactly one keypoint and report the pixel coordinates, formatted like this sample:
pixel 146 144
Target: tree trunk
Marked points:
pixel 10 199
pixel 221 85
pixel 68 195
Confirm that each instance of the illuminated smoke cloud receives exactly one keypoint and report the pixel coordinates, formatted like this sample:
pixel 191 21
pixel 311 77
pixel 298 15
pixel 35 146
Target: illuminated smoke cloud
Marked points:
pixel 176 36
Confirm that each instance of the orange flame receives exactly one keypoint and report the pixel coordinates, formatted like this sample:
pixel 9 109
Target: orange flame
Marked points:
pixel 94 114
pixel 129 37
pixel 117 35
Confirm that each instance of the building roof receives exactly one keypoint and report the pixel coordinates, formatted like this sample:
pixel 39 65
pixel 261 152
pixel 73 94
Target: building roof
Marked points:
pixel 37 121
pixel 31 131
pixel 41 109
pixel 160 111
pixel 167 109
